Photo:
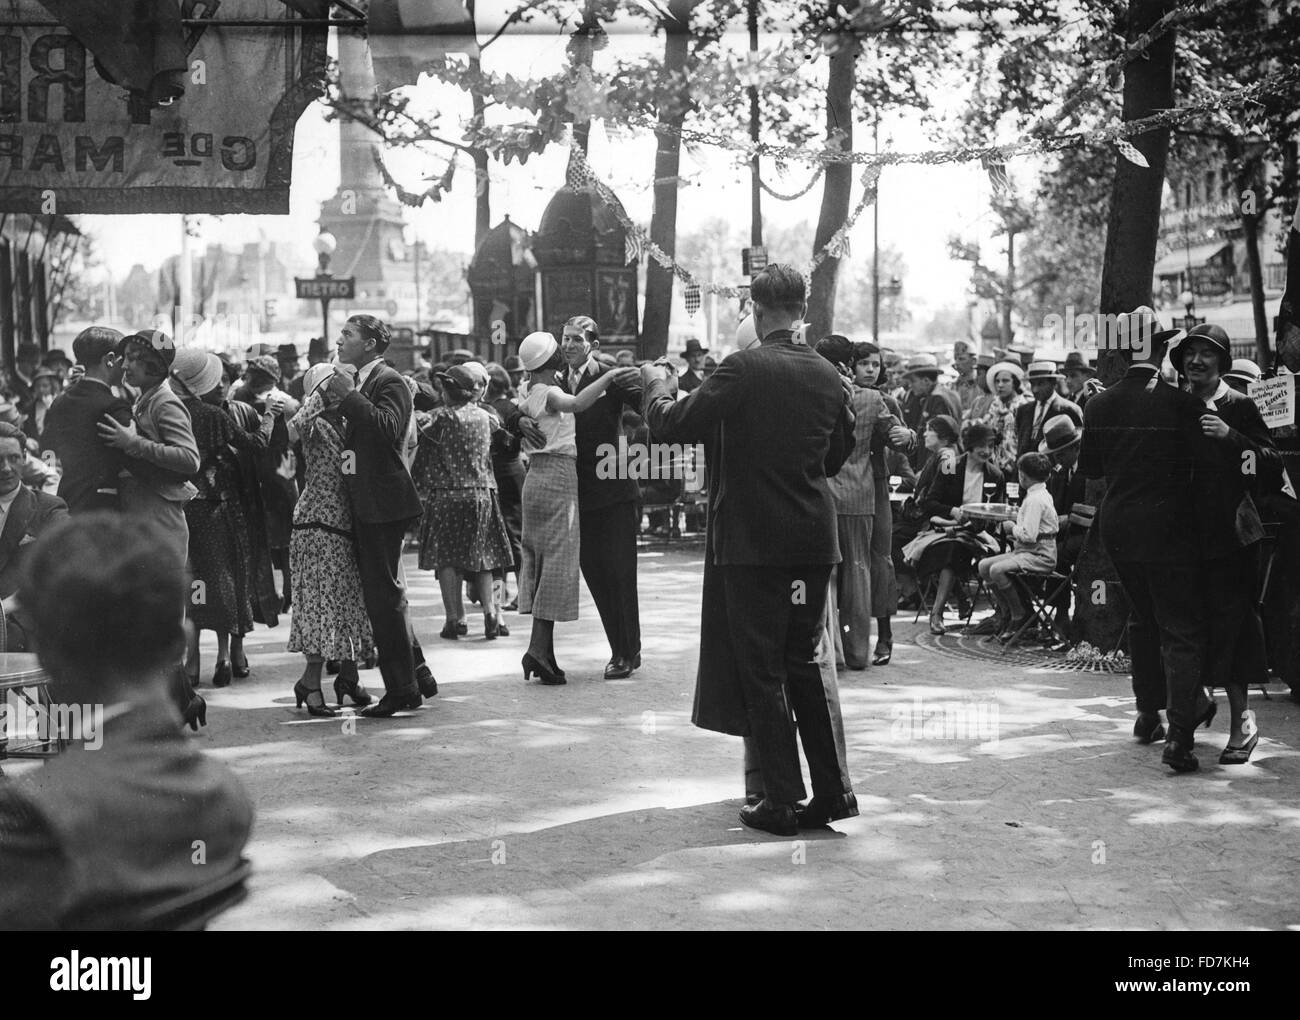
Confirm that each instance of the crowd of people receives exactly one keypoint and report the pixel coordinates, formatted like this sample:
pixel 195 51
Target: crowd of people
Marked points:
pixel 237 473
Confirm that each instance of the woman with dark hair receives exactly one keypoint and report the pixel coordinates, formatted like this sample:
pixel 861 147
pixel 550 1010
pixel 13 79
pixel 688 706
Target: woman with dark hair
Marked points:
pixel 329 618
pixel 462 530
pixel 548 574
pixel 508 468
pixel 869 371
pixel 853 487
pixel 219 551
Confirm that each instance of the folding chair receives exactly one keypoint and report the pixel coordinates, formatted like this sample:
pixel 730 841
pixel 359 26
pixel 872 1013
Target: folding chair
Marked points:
pixel 1041 591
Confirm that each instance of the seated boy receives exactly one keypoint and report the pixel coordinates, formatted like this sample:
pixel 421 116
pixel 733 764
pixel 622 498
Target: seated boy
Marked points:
pixel 1034 552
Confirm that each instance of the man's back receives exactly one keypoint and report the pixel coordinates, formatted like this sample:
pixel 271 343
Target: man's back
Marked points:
pixel 778 408
pixel 96 837
pixel 71 433
pixel 1141 439
pixel 378 481
pixel 595 427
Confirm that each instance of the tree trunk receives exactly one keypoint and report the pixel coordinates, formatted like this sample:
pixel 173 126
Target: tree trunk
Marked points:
pixel 836 190
pixel 1134 225
pixel 663 220
pixel 1131 235
pixel 482 183
pixel 1250 227
pixel 1008 297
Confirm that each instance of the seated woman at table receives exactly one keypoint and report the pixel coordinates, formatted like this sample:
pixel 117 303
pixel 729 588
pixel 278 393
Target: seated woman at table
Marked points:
pixel 958 478
pixel 1034 552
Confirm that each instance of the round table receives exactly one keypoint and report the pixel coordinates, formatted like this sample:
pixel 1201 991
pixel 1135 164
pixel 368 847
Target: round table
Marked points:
pixel 24 693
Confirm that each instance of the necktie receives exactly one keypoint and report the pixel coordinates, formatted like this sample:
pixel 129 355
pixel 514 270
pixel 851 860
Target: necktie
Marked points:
pixel 1038 422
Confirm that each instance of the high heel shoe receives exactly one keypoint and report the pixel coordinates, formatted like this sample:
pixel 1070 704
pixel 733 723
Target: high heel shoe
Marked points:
pixel 884 652
pixel 239 671
pixel 545 673
pixel 196 713
pixel 491 627
pixel 936 627
pixel 303 695
pixel 332 666
pixel 222 674
pixel 1241 755
pixel 348 683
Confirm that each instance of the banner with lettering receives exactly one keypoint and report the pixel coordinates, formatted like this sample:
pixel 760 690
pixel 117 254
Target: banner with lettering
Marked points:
pixel 76 137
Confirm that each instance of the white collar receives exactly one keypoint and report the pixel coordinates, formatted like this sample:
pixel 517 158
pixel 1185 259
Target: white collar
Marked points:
pixel 1219 394
pixel 367 370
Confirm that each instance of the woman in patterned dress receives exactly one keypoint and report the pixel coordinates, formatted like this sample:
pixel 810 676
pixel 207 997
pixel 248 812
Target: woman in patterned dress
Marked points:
pixel 329 615
pixel 462 530
pixel 219 552
pixel 1004 380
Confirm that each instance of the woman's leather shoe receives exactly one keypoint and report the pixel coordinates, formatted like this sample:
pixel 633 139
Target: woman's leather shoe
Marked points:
pixel 222 675
pixel 391 704
pixel 817 813
pixel 778 819
pixel 937 628
pixel 349 684
pixel 884 652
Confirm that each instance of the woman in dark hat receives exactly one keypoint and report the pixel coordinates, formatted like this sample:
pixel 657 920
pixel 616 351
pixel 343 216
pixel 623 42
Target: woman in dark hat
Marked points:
pixel 1242 449
pixel 463 531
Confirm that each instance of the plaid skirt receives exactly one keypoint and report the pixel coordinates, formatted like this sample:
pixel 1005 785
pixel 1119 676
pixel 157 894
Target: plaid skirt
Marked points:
pixel 548 571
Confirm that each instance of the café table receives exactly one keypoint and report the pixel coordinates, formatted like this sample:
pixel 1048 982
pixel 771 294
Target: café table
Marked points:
pixel 24 694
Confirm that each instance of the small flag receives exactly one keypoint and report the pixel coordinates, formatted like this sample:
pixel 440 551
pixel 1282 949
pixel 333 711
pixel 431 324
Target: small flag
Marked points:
pixel 631 247
pixel 692 299
pixel 997 171
pixel 1130 152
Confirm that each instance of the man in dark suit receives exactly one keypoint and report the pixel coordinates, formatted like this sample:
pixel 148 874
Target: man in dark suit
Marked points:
pixel 1047 404
pixel 1144 437
pixel 24 515
pixel 90 466
pixel 607 507
pixel 1067 486
pixel 377 408
pixel 925 399
pixel 27 359
pixel 109 833
pixel 777 420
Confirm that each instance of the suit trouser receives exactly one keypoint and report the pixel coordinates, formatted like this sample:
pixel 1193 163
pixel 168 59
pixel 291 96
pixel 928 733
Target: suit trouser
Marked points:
pixel 850 592
pixel 884 583
pixel 776 616
pixel 607 555
pixel 1167 637
pixel 379 558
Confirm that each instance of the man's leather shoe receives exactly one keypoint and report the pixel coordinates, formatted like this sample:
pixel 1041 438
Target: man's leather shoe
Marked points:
pixel 818 812
pixel 617 669
pixel 391 704
pixel 636 661
pixel 778 819
pixel 424 677
pixel 1178 755
pixel 1149 729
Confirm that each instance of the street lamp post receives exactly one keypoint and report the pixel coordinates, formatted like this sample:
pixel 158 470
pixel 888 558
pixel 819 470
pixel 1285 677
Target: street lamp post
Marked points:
pixel 325 246
pixel 1188 301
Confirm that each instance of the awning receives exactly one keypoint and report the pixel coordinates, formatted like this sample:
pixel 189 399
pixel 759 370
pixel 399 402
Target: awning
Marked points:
pixel 1198 255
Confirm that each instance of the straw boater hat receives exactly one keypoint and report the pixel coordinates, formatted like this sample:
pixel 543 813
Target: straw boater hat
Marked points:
pixel 922 364
pixel 1039 370
pixel 1059 434
pixel 998 369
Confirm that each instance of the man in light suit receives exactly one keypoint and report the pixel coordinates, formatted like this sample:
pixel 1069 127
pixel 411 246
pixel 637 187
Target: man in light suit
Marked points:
pixel 103 837
pixel 377 409
pixel 777 421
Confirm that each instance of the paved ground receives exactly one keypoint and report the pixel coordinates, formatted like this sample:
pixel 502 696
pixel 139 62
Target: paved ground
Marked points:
pixel 992 796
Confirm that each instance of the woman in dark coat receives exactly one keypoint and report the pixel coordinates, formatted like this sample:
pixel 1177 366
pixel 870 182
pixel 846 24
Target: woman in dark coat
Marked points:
pixel 219 552
pixel 1241 451
pixel 949 480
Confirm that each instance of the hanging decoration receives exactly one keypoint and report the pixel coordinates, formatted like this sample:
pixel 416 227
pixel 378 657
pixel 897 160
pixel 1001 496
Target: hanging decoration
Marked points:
pixel 817 176
pixel 411 198
pixel 1130 152
pixel 693 299
pixel 998 178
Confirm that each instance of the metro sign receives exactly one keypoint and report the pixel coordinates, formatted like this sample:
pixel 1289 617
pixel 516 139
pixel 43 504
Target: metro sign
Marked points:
pixel 326 287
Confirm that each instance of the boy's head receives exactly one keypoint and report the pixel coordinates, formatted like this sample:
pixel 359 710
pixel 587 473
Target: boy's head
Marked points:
pixel 1034 467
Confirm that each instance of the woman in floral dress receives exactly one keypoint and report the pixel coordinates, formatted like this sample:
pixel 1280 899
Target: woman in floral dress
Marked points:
pixel 462 530
pixel 1004 381
pixel 329 614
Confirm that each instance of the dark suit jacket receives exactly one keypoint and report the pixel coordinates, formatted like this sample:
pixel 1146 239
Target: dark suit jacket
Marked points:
pixel 598 425
pixel 71 433
pixel 1065 492
pixel 785 424
pixel 1145 440
pixel 95 837
pixel 940 492
pixel 1025 414
pixel 30 514
pixel 380 487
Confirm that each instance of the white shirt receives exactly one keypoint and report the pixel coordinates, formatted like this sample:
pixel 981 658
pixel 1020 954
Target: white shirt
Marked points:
pixel 366 371
pixel 1218 395
pixel 574 375
pixel 5 503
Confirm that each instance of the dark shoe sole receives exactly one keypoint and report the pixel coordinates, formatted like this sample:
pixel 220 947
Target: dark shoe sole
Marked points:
pixel 774 830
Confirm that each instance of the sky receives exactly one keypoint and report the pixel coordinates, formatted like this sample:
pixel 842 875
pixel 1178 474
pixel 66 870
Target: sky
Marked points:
pixel 920 206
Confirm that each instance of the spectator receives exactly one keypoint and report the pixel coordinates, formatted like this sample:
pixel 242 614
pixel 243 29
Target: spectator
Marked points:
pixel 925 399
pixel 1047 403
pixel 95 839
pixel 693 355
pixel 1004 382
